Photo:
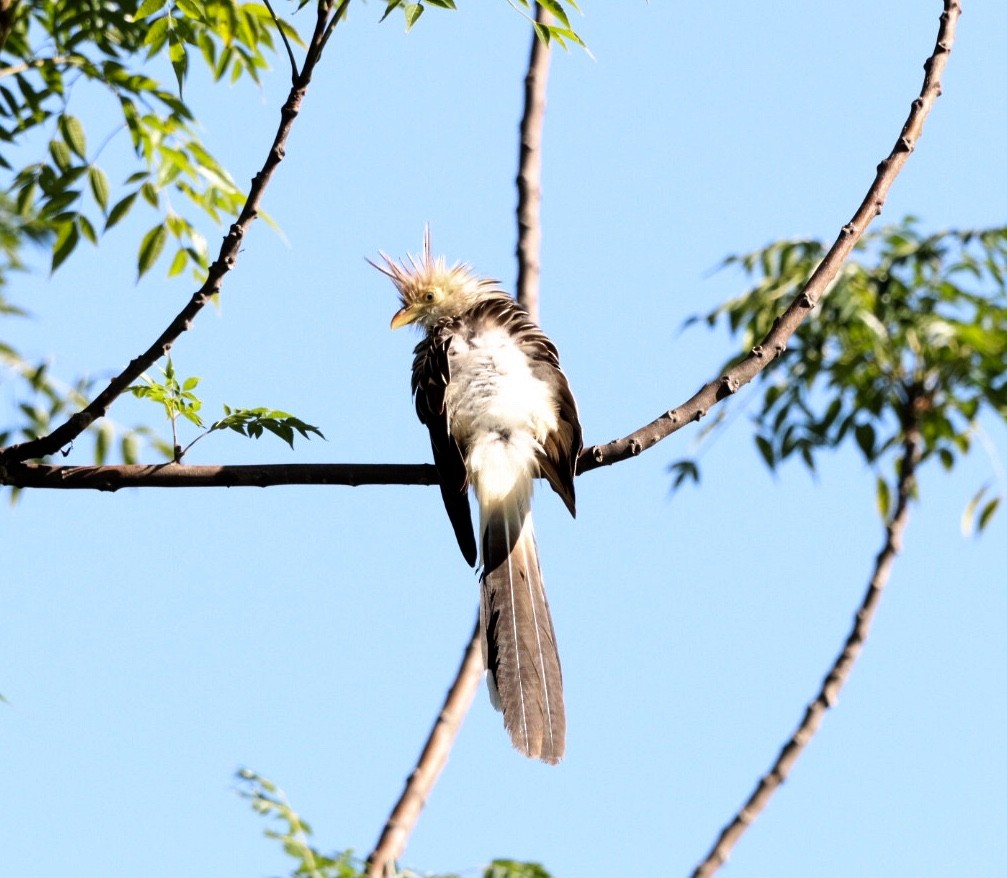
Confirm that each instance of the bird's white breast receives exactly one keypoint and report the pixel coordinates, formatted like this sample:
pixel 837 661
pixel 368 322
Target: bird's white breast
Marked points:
pixel 498 411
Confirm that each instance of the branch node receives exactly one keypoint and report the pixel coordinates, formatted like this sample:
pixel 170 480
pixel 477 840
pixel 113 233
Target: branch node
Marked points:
pixel 728 385
pixel 634 447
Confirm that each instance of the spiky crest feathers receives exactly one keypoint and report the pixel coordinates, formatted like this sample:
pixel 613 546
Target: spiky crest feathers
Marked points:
pixel 432 289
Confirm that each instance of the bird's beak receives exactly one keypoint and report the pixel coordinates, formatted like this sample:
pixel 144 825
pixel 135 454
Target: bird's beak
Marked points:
pixel 404 316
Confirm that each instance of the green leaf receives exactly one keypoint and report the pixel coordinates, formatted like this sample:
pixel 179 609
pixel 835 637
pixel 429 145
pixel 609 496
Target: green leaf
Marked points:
pixel 148 8
pixel 413 12
pixel 99 186
pixel 86 229
pixel 150 248
pixel 557 10
pixel 73 133
pixel 64 245
pixel 157 34
pixel 192 9
pixel 179 262
pixel 969 513
pixel 864 434
pixel 120 210
pixel 129 448
pixel 766 450
pixel 884 498
pixel 179 60
pixel 987 513
pixel 60 153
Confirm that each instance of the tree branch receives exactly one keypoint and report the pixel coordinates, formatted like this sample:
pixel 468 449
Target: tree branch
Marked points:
pixel 775 343
pixel 175 475
pixel 592 457
pixel 286 42
pixel 838 674
pixel 226 259
pixel 460 696
pixel 529 176
pixel 432 760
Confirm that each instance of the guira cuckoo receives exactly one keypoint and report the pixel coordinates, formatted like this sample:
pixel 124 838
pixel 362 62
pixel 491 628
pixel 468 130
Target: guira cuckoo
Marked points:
pixel 488 386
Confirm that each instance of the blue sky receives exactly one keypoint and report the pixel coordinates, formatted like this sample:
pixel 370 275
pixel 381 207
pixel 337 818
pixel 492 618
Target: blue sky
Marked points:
pixel 155 641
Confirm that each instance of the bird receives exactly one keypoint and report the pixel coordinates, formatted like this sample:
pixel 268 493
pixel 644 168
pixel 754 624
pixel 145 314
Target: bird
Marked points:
pixel 488 386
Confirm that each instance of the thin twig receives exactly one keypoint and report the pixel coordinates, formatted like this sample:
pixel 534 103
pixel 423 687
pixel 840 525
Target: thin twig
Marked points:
pixel 432 760
pixel 775 343
pixel 39 63
pixel 286 42
pixel 838 674
pixel 226 259
pixel 529 176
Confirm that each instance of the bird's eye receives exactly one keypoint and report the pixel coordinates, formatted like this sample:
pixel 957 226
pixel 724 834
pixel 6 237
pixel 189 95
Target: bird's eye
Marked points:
pixel 428 296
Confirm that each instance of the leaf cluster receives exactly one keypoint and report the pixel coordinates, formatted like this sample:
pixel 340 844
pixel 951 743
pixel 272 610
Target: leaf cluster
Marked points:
pixel 178 399
pixel 561 32
pixel 59 48
pixel 59 58
pixel 294 834
pixel 913 332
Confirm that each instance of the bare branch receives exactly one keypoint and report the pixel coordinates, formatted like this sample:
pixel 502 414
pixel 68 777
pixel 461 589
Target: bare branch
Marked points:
pixel 286 42
pixel 838 674
pixel 226 259
pixel 432 760
pixel 175 475
pixel 529 176
pixel 407 810
pixel 775 343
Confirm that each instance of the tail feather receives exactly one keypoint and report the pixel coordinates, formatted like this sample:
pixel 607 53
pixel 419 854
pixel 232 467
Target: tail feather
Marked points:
pixel 519 644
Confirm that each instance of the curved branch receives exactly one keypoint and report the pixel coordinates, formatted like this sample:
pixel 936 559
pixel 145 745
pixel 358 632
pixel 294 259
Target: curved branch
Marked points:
pixel 834 680
pixel 775 343
pixel 432 760
pixel 226 259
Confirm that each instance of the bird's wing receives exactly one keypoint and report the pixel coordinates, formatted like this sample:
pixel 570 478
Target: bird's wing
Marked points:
pixel 430 377
pixel 562 446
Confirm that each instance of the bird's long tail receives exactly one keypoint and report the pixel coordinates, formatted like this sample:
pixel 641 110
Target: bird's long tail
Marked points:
pixel 519 644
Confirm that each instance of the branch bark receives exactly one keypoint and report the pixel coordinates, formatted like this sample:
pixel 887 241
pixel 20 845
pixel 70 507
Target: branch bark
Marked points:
pixel 529 176
pixel 407 810
pixel 838 674
pixel 226 260
pixel 432 760
pixel 595 456
pixel 175 475
pixel 775 343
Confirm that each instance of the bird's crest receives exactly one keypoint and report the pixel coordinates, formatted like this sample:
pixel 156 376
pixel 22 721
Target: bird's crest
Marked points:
pixel 415 277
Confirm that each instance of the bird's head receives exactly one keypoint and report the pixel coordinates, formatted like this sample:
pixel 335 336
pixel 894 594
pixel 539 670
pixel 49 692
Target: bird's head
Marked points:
pixel 429 290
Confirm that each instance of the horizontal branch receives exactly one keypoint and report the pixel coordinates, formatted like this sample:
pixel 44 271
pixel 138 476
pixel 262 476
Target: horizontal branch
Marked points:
pixel 175 475
pixel 593 457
